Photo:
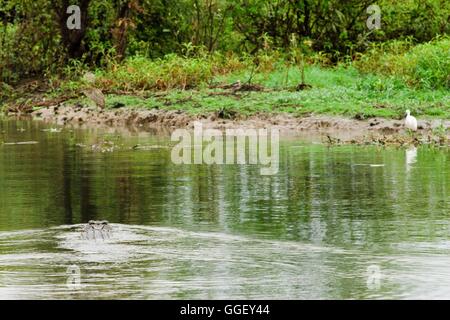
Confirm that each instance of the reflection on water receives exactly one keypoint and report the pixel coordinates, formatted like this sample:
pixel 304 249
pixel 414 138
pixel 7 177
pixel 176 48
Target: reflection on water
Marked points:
pixel 411 157
pixel 314 230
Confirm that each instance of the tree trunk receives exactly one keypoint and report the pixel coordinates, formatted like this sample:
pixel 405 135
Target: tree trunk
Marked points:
pixel 72 40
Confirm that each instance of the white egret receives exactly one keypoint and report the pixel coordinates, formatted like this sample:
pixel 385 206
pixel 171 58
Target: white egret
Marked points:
pixel 410 121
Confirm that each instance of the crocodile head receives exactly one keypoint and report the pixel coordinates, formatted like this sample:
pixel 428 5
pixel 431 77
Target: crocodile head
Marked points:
pixel 99 225
pixel 97 229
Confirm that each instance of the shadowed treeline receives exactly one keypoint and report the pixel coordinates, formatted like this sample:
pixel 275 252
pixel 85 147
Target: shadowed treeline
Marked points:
pixel 35 40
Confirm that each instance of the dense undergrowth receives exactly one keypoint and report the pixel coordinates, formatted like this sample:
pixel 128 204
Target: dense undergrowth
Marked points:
pixel 385 82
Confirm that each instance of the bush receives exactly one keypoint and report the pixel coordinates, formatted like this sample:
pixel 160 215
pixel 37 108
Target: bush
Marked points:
pixel 425 65
pixel 172 71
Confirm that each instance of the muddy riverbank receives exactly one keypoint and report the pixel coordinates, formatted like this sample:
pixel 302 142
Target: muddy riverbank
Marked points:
pixel 336 129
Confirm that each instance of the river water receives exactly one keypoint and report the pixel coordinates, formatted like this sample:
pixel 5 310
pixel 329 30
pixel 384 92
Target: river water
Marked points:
pixel 345 222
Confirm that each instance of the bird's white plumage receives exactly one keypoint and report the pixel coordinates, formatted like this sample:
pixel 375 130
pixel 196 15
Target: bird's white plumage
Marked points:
pixel 410 121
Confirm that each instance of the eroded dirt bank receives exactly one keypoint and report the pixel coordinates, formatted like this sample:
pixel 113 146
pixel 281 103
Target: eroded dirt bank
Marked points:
pixel 333 127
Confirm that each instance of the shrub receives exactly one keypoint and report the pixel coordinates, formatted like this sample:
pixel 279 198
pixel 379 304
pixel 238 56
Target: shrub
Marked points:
pixel 425 65
pixel 172 71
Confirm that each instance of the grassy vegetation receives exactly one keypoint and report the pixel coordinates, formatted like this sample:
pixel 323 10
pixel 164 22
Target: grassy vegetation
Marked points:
pixel 383 83
pixel 334 91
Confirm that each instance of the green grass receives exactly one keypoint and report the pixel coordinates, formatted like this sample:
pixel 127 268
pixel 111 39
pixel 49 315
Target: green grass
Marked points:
pixel 335 91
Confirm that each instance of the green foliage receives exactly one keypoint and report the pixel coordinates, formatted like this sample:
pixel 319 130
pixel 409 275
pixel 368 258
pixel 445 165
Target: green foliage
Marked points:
pixel 34 40
pixel 172 71
pixel 418 20
pixel 426 65
pixel 28 42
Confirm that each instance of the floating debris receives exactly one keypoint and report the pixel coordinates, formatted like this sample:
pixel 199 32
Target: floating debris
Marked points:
pixel 333 141
pixel 104 146
pixel 399 140
pixel 52 130
pixel 20 143
pixel 152 147
pixel 373 165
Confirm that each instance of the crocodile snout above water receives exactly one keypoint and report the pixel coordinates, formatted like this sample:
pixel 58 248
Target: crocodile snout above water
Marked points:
pixel 96 230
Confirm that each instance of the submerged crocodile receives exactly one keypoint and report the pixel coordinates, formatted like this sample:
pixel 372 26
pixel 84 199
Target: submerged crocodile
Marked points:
pixel 96 230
